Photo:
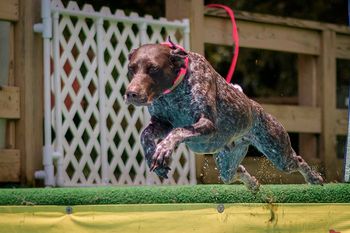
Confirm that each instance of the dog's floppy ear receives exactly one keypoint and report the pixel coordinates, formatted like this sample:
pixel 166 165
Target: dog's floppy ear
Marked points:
pixel 177 57
pixel 131 53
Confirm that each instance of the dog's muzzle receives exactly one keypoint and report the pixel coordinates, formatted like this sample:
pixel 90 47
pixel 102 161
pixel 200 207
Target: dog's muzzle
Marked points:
pixel 137 99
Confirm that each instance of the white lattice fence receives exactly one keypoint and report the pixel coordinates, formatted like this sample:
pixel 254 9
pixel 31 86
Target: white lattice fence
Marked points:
pixel 97 133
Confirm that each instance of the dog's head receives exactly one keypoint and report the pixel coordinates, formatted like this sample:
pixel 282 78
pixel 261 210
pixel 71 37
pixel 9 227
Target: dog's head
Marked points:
pixel 152 69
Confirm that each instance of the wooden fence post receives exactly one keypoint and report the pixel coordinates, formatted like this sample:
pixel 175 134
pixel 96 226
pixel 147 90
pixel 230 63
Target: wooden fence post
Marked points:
pixel 28 77
pixel 307 96
pixel 194 11
pixel 327 73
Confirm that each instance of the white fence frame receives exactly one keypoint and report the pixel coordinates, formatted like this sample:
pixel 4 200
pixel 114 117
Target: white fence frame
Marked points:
pixel 54 157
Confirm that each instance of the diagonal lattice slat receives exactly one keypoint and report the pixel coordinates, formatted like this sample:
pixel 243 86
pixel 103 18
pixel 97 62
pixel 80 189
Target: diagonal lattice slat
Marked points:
pixel 81 101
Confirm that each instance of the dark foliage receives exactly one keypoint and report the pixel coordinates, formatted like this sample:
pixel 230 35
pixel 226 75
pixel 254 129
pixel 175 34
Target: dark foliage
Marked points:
pixel 333 11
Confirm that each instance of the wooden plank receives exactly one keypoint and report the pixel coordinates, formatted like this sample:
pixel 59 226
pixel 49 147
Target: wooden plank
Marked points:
pixel 342 46
pixel 327 74
pixel 9 165
pixel 301 119
pixel 263 36
pixel 9 102
pixel 286 21
pixel 341 122
pixel 28 76
pixel 9 10
pixel 11 124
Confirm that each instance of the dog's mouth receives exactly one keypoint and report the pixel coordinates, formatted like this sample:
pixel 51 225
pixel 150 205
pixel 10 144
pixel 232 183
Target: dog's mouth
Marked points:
pixel 137 100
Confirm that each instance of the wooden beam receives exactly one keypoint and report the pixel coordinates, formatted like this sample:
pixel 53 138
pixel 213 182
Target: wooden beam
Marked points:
pixel 263 36
pixel 342 46
pixel 9 102
pixel 9 10
pixel 29 77
pixel 301 119
pixel 9 165
pixel 285 21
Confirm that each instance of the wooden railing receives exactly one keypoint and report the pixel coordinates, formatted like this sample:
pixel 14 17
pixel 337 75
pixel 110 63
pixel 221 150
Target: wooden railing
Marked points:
pixel 318 45
pixel 9 102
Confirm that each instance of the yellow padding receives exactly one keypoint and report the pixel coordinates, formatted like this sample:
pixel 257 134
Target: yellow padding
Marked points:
pixel 178 218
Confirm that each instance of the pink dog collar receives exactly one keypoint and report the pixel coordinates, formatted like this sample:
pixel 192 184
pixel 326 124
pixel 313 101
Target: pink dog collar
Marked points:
pixel 182 72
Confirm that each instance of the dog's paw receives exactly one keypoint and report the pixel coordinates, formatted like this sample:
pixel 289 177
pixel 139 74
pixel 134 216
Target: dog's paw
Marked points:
pixel 161 156
pixel 315 178
pixel 253 185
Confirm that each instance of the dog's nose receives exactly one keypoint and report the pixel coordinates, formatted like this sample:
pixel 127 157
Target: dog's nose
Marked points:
pixel 132 95
pixel 135 97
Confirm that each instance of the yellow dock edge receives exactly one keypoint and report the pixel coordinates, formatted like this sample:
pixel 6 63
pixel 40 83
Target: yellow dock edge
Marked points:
pixel 178 218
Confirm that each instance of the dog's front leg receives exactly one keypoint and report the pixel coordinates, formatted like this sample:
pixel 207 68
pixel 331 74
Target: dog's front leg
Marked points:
pixel 164 149
pixel 150 135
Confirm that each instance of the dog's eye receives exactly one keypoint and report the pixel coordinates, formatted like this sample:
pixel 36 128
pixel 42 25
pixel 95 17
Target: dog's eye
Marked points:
pixel 131 71
pixel 153 70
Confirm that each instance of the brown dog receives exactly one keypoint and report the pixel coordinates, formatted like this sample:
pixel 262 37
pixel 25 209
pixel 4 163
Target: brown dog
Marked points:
pixel 204 112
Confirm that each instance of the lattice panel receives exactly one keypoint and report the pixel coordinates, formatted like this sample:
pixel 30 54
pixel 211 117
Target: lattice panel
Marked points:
pixel 80 112
pixel 81 115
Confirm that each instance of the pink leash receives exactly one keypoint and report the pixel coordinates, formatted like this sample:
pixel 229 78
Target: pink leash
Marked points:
pixel 235 38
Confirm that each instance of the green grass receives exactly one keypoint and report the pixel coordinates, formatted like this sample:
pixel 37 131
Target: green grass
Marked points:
pixel 330 193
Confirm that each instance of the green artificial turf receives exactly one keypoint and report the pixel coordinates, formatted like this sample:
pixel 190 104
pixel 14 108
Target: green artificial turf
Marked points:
pixel 329 193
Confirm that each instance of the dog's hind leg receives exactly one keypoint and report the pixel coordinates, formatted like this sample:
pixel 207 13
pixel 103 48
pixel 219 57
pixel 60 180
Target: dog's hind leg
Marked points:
pixel 272 140
pixel 228 162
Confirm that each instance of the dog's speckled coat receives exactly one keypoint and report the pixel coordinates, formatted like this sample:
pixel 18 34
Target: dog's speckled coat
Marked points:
pixel 207 114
